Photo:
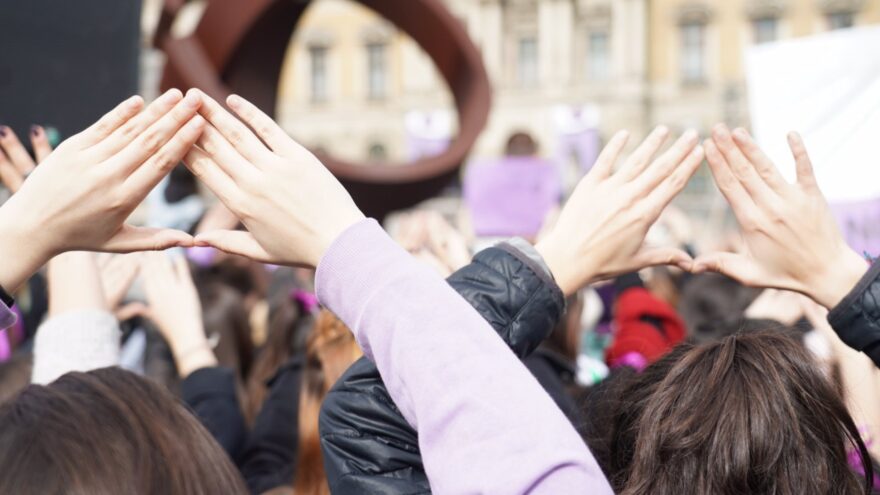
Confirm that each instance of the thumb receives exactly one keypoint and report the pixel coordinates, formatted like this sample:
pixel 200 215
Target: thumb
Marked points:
pixel 236 242
pixel 735 266
pixel 131 310
pixel 664 256
pixel 130 239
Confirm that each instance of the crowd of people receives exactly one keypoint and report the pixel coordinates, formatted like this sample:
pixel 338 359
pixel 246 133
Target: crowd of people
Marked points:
pixel 284 343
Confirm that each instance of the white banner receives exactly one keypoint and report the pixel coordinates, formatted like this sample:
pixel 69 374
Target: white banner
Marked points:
pixel 826 87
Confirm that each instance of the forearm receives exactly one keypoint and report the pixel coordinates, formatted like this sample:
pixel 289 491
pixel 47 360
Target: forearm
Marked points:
pixel 75 283
pixel 436 356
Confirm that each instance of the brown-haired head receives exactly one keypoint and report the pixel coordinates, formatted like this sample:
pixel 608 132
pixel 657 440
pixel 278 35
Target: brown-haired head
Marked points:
pixel 751 413
pixel 108 432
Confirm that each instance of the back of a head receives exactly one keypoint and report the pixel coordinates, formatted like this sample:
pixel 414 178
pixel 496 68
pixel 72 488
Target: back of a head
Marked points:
pixel 751 413
pixel 712 306
pixel 108 432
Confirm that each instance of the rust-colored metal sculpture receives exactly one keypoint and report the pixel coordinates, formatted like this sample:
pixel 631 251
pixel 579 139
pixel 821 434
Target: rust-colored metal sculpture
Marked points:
pixel 239 47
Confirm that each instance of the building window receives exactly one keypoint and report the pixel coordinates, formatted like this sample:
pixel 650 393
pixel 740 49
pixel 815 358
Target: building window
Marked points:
pixel 318 56
pixel 693 60
pixel 527 62
pixel 377 153
pixel 599 57
pixel 766 30
pixel 841 20
pixel 377 71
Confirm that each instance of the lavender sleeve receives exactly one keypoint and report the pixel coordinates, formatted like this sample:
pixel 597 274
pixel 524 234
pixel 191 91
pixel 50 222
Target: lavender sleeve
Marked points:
pixel 485 425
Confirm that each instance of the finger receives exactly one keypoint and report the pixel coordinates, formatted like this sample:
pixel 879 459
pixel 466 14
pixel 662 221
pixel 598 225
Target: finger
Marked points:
pixel 40 142
pixel 266 128
pixel 803 165
pixel 765 167
pixel 744 208
pixel 11 177
pixel 132 310
pixel 16 151
pixel 236 242
pixel 668 161
pixel 742 168
pixel 111 121
pixel 735 266
pixel 234 131
pixel 212 175
pixel 648 257
pixel 130 239
pixel 181 269
pixel 605 162
pixel 145 178
pixel 642 156
pixel 224 154
pixel 130 130
pixel 662 195
pixel 158 134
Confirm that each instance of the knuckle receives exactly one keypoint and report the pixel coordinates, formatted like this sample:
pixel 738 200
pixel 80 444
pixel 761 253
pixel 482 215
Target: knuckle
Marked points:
pixel 152 139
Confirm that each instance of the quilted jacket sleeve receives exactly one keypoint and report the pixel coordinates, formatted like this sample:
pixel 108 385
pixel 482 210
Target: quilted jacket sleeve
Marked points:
pixel 857 318
pixel 368 446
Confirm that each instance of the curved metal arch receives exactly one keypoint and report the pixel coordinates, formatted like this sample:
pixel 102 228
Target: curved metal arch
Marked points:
pixel 240 46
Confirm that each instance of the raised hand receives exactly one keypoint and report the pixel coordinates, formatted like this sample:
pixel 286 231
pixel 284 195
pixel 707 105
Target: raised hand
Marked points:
pixel 601 230
pixel 174 306
pixel 15 162
pixel 791 239
pixel 291 204
pixel 80 196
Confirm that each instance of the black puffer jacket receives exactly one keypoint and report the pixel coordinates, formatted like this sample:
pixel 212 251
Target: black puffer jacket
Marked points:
pixel 368 447
pixel 857 318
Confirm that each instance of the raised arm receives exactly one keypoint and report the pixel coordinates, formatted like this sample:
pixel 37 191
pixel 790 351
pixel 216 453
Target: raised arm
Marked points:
pixel 450 374
pixel 792 240
pixel 81 194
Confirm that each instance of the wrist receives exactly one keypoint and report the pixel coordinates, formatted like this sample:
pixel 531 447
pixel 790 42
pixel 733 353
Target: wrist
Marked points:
pixel 837 279
pixel 563 265
pixel 23 247
pixel 194 360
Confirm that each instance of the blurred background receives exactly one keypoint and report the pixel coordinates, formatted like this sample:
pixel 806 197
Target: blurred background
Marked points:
pixel 564 76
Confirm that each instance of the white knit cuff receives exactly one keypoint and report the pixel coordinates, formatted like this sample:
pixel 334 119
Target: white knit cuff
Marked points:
pixel 80 340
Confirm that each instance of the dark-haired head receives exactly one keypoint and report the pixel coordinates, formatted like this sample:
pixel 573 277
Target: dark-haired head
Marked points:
pixel 751 413
pixel 108 432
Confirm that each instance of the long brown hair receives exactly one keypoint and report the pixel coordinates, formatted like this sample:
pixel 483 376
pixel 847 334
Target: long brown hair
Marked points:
pixel 751 413
pixel 331 349
pixel 107 432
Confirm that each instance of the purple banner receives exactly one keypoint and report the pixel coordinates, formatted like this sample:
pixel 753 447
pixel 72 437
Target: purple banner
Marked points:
pixel 860 223
pixel 511 196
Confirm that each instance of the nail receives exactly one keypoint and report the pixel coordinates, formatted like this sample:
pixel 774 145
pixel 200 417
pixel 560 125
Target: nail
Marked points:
pixel 690 135
pixel 192 99
pixel 740 133
pixel 234 101
pixel 134 101
pixel 170 95
pixel 662 129
pixel 3 131
pixel 35 130
pixel 720 129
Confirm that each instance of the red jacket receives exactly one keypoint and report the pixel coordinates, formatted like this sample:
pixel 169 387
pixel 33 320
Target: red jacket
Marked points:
pixel 645 328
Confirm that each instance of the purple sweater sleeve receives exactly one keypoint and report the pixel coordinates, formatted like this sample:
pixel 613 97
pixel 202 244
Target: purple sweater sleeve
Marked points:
pixel 485 425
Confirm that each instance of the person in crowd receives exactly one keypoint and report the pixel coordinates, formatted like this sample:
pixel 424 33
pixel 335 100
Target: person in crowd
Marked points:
pixel 472 402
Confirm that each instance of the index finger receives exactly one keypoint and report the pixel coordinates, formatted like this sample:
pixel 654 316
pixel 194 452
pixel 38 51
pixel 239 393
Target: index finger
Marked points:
pixel 233 130
pixel 110 122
